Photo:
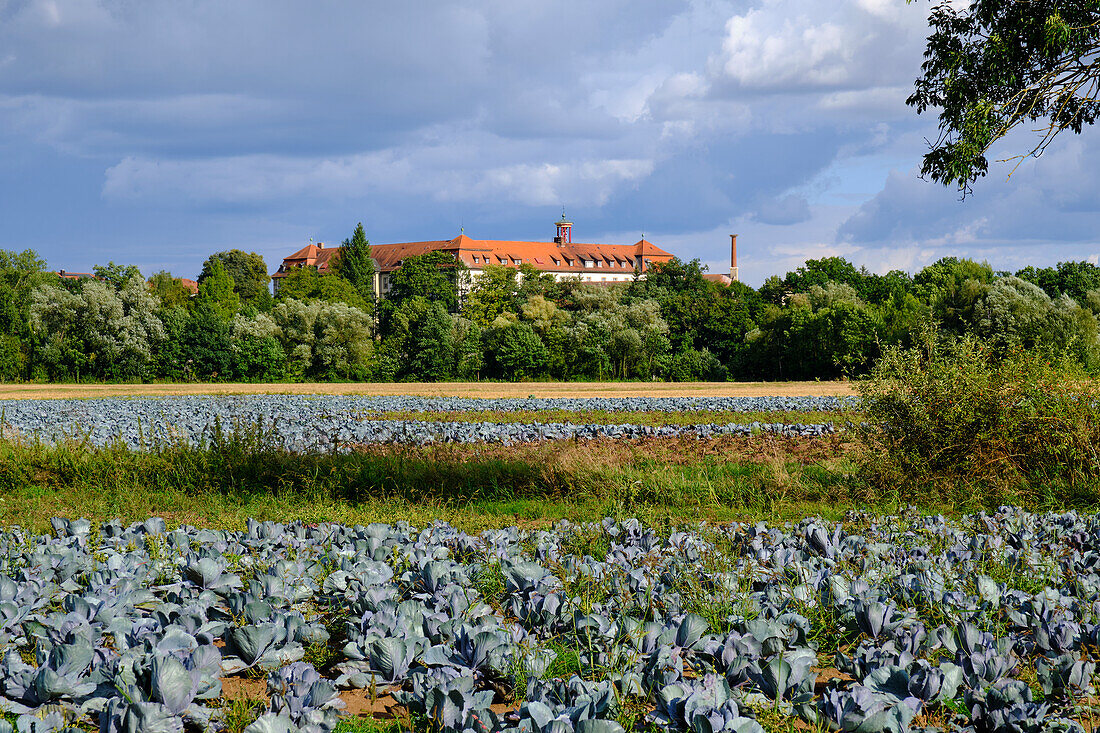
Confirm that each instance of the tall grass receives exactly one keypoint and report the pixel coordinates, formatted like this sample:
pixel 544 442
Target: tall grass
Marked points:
pixel 242 473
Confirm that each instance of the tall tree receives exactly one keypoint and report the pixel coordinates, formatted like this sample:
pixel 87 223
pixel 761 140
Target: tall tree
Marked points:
pixel 433 276
pixel 355 265
pixel 307 285
pixel 992 65
pixel 116 275
pixel 217 291
pixel 249 273
pixel 493 294
pixel 20 274
pixel 170 290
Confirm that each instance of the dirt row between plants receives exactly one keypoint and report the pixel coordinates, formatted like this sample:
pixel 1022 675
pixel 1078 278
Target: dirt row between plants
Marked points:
pixel 439 389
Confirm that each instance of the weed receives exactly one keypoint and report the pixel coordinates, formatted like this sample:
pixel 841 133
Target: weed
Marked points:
pixel 369 725
pixel 236 715
pixel 567 662
pixel 321 655
pixel 489 582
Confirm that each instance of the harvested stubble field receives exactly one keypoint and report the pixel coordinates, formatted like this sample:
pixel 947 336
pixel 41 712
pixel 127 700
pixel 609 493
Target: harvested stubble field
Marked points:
pixel 437 389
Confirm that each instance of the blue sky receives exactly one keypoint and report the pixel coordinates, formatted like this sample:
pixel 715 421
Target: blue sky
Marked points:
pixel 159 131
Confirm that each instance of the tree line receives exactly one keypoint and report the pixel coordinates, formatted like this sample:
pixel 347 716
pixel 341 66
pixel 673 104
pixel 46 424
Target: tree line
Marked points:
pixel 824 320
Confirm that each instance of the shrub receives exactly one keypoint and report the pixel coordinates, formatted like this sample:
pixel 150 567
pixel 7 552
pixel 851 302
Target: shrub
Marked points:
pixel 956 412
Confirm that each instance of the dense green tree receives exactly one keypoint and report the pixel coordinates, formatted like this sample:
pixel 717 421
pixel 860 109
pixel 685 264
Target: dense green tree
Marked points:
pixel 248 272
pixel 468 357
pixel 993 65
pixel 531 282
pixel 171 360
pixel 1013 313
pixel 1075 279
pixel 951 286
pixel 692 365
pixel 258 355
pixel 422 340
pixel 324 340
pixel 495 292
pixel 630 331
pixel 355 265
pixel 823 271
pixel 170 290
pixel 11 358
pixel 550 323
pixel 208 339
pixel 879 289
pixel 701 313
pixel 519 352
pixel 20 274
pixel 829 333
pixel 217 292
pixel 433 276
pixel 675 275
pixel 116 275
pixel 98 332
pixel 307 285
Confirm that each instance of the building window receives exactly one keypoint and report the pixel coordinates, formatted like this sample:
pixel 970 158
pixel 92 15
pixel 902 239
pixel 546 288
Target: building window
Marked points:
pixel 475 259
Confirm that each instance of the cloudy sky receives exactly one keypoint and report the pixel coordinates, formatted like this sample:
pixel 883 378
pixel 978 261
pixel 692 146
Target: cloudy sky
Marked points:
pixel 155 132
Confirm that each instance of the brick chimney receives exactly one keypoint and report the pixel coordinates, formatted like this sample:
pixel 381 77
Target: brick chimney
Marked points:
pixel 733 258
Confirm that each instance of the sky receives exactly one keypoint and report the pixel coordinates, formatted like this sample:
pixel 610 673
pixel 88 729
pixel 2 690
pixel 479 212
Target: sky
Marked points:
pixel 155 132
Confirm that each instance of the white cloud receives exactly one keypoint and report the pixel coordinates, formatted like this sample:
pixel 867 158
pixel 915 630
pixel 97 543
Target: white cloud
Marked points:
pixel 424 172
pixel 797 51
pixel 780 46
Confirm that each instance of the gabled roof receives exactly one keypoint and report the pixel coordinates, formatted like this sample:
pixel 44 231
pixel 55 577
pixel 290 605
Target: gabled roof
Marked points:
pixel 475 253
pixel 649 249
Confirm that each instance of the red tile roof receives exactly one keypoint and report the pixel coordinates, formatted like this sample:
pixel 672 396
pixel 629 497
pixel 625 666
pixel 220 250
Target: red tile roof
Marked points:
pixel 543 255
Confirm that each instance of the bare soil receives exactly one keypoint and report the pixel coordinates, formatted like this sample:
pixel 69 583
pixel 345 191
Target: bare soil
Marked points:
pixel 439 389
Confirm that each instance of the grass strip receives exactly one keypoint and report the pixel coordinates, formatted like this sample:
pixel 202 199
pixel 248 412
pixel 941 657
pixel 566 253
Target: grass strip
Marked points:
pixel 609 417
pixel 475 487
pixel 662 481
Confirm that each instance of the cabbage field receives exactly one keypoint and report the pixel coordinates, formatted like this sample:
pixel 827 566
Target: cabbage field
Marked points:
pixel 990 622
pixel 303 423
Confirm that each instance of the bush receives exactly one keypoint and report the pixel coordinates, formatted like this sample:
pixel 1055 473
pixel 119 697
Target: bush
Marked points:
pixel 951 412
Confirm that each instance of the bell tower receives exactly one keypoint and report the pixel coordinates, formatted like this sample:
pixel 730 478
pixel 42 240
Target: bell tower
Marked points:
pixel 565 230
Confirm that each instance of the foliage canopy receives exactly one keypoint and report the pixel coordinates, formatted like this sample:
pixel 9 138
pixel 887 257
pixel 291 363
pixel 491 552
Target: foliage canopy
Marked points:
pixel 992 65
